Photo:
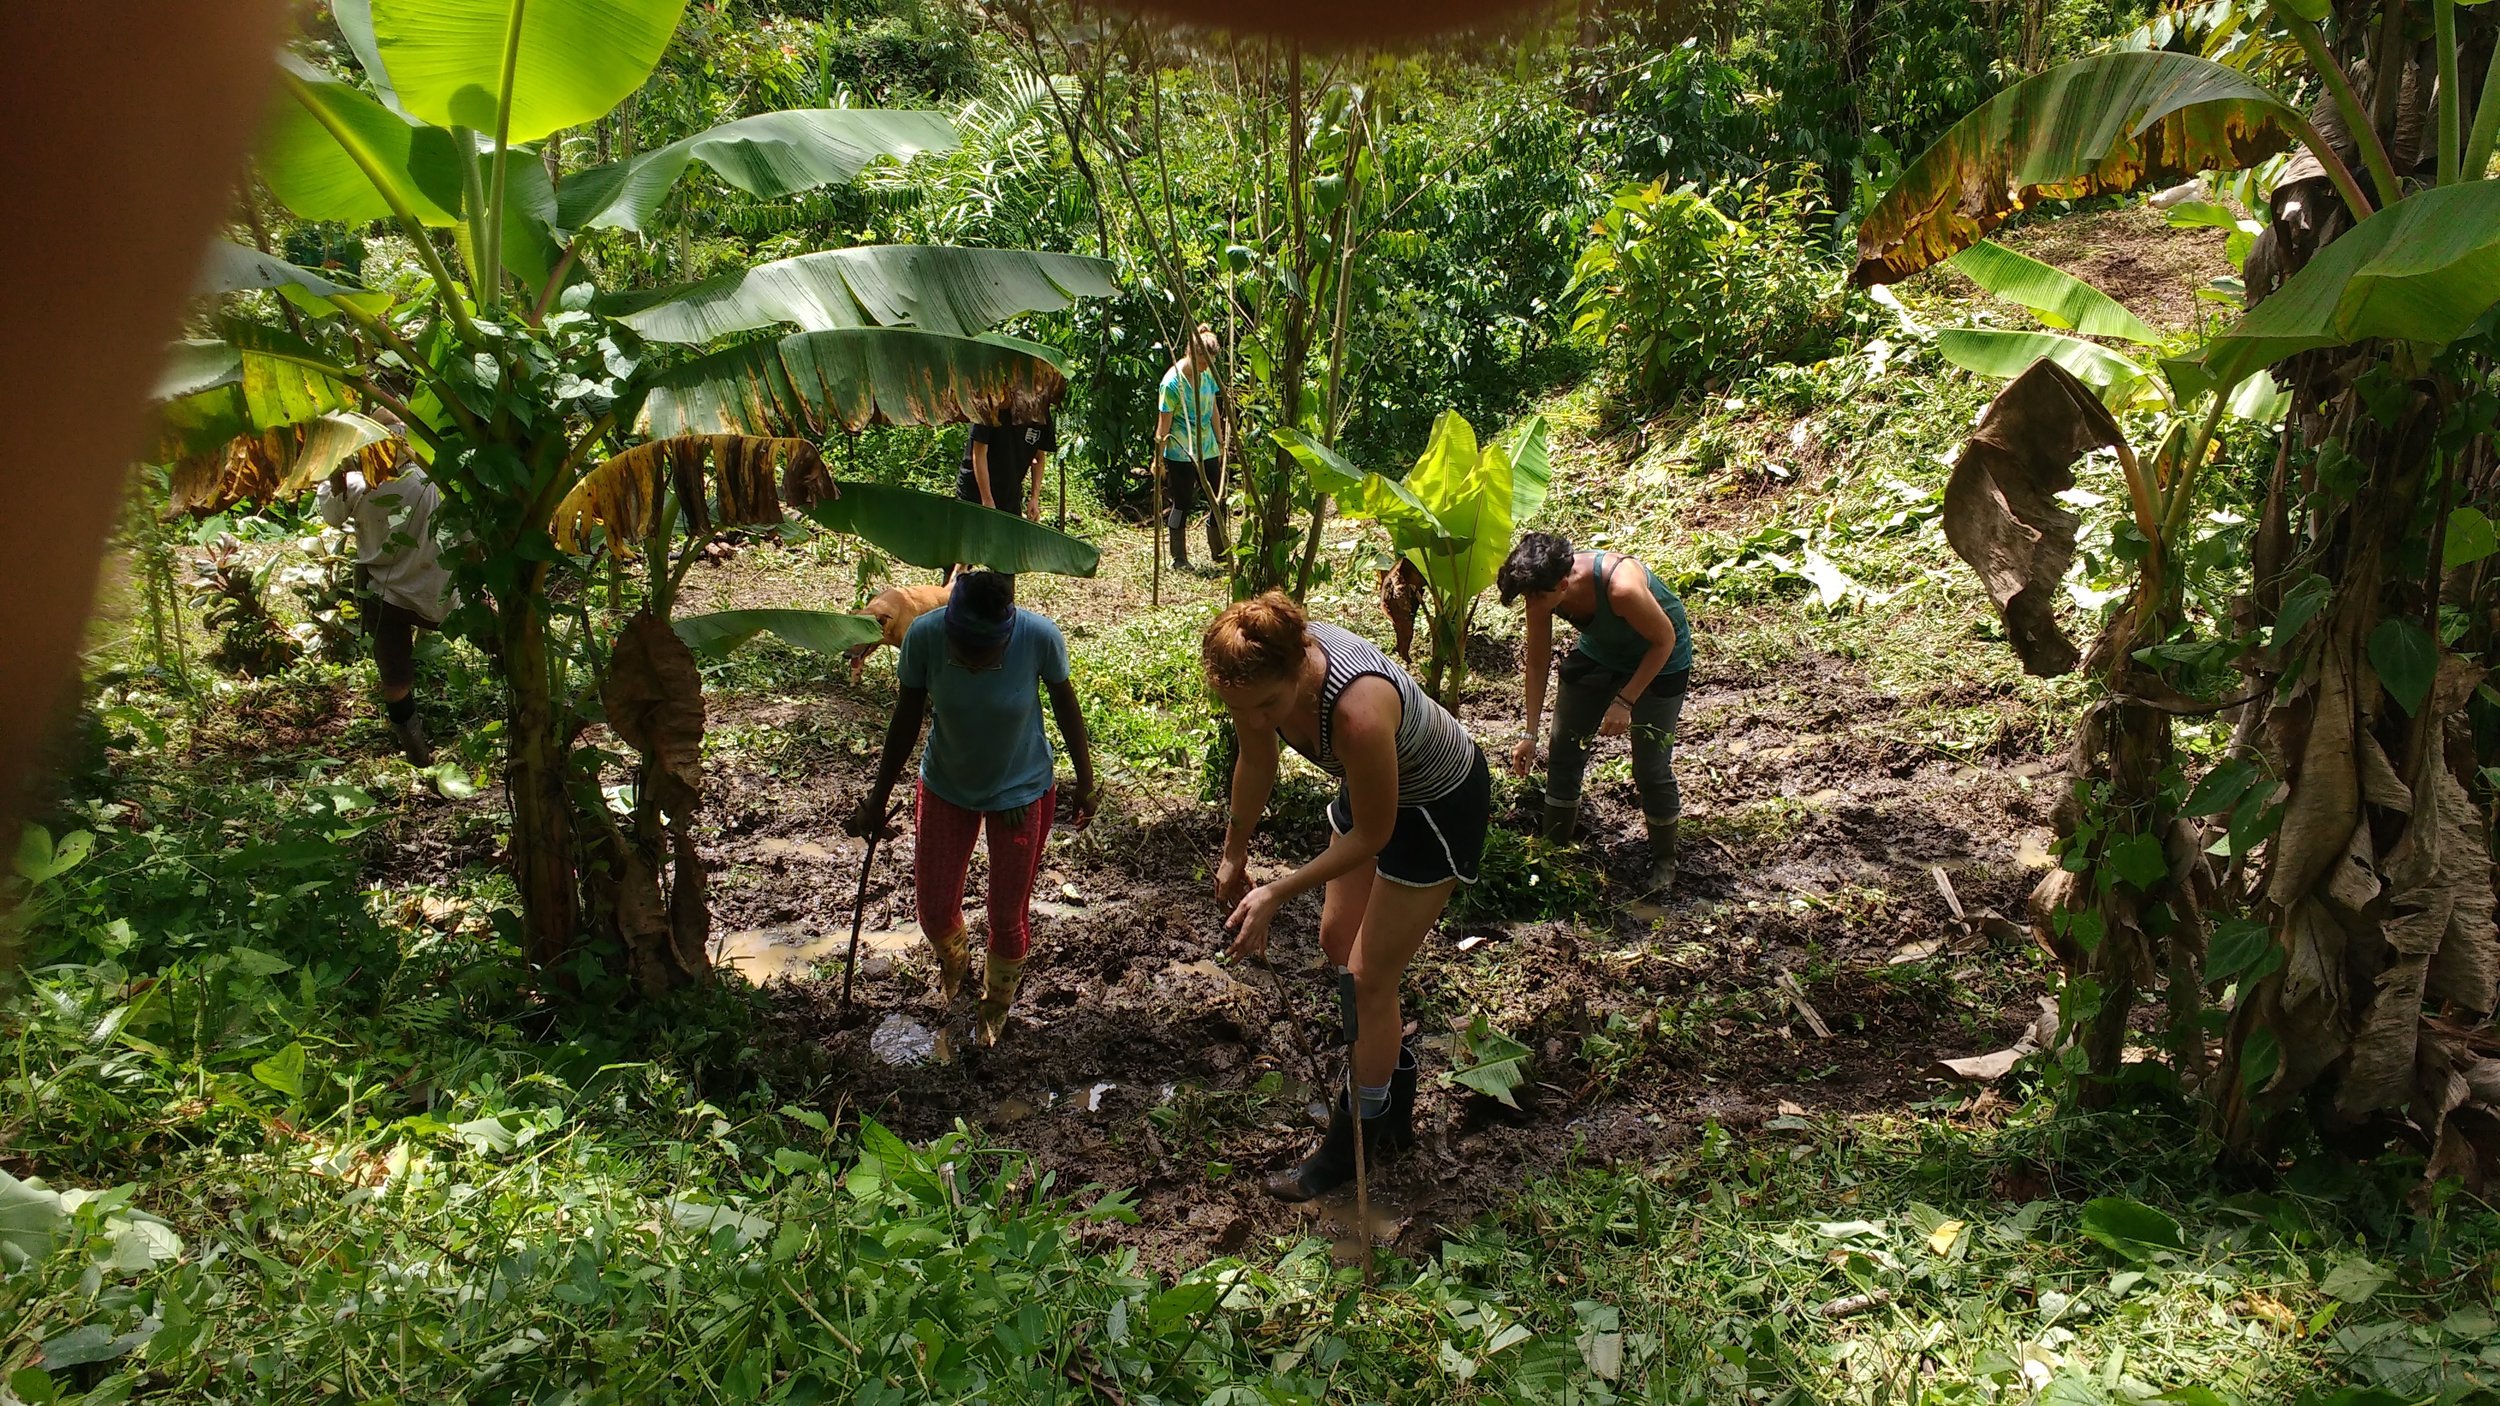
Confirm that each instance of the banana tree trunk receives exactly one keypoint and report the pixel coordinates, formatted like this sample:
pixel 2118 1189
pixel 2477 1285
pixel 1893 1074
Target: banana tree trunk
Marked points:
pixel 542 818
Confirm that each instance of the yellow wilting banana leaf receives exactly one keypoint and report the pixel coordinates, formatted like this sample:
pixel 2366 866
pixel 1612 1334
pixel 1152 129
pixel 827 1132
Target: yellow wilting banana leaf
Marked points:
pixel 283 463
pixel 752 477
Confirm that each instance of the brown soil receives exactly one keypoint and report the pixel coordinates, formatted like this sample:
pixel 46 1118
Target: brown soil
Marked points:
pixel 2129 252
pixel 1136 1060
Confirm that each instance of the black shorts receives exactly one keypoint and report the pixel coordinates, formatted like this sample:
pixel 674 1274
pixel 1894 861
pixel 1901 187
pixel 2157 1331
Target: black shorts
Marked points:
pixel 1434 842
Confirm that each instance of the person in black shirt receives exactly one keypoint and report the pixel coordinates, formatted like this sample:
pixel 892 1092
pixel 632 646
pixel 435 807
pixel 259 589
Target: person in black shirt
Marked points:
pixel 1003 466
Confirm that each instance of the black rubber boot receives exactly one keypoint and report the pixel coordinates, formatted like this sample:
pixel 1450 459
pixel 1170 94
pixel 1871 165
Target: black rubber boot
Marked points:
pixel 1562 822
pixel 1331 1164
pixel 1662 855
pixel 1176 527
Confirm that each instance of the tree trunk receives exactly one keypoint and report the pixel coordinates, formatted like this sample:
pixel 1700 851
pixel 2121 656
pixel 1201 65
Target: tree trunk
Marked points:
pixel 542 818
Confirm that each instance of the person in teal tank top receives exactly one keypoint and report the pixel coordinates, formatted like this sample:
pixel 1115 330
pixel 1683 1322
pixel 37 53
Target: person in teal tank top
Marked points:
pixel 1628 673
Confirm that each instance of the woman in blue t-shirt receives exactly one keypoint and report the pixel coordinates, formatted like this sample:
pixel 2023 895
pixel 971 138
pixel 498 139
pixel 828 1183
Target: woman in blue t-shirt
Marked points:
pixel 979 667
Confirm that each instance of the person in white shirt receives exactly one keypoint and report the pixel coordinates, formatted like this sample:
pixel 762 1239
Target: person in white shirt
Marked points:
pixel 410 590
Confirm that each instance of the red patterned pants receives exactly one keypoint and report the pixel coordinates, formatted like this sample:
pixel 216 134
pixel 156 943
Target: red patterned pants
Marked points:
pixel 942 836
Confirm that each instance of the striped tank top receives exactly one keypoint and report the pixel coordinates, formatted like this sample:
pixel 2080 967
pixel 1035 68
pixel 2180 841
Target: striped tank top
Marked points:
pixel 1435 754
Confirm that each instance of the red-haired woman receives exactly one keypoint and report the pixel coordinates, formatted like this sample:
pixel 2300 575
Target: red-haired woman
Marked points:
pixel 1408 827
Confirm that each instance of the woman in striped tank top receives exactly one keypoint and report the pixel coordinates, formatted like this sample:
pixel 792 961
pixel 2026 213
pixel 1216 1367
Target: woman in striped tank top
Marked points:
pixel 1408 827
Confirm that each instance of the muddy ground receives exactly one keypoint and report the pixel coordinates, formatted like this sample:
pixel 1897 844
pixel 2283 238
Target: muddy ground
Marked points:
pixel 1814 838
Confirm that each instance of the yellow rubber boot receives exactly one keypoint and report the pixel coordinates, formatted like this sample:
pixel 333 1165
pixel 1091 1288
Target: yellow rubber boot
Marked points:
pixel 954 954
pixel 999 979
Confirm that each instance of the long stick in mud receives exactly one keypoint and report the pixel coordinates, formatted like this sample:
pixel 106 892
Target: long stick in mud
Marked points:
pixel 859 908
pixel 1354 1105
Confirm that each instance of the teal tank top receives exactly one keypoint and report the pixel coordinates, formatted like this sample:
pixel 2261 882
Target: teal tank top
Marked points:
pixel 1608 640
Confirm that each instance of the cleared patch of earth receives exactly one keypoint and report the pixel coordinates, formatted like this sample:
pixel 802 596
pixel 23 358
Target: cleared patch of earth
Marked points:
pixel 1816 832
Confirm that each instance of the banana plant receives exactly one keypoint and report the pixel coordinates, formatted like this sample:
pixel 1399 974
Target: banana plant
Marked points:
pixel 525 387
pixel 1452 517
pixel 2348 815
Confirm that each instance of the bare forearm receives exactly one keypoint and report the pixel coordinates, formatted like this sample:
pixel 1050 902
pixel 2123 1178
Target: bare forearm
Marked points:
pixel 900 734
pixel 1253 781
pixel 1071 720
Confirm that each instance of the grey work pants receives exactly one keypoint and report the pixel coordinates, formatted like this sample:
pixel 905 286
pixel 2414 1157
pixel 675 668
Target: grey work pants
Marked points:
pixel 1579 709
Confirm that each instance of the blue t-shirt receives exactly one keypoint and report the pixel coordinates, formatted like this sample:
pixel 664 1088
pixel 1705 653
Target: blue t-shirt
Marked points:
pixel 986 747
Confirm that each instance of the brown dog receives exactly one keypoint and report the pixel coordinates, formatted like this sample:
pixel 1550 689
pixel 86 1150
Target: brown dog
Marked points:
pixel 895 608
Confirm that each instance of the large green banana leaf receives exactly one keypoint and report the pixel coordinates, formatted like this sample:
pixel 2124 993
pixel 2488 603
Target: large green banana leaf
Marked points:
pixel 811 384
pixel 2006 355
pixel 565 62
pixel 2054 296
pixel 1531 470
pixel 1361 493
pixel 934 288
pixel 2107 123
pixel 256 378
pixel 232 268
pixel 770 155
pixel 824 631
pixel 2424 269
pixel 926 529
pixel 333 153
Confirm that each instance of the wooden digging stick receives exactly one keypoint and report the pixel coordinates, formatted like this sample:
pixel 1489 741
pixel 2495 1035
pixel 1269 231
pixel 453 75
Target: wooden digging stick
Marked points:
pixel 1156 537
pixel 1354 1105
pixel 859 907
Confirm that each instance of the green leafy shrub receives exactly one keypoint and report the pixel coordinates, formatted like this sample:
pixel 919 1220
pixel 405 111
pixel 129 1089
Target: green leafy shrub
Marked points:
pixel 1683 293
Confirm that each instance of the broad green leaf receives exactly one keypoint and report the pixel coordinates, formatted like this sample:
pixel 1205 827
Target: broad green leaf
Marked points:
pixel 704 1218
pixel 2469 539
pixel 355 21
pixel 2221 788
pixel 265 379
pixel 1490 1062
pixel 2424 269
pixel 41 859
pixel 331 153
pixel 2056 297
pixel 571 61
pixel 2242 950
pixel 928 529
pixel 2131 1228
pixel 2203 214
pixel 824 631
pixel 232 268
pixel 811 384
pixel 2406 660
pixel 770 155
pixel 2138 859
pixel 1448 462
pixel 1531 470
pixel 2111 122
pixel 2355 1280
pixel 32 1221
pixel 2258 400
pixel 283 1071
pixel 1330 471
pixel 2003 354
pixel 936 289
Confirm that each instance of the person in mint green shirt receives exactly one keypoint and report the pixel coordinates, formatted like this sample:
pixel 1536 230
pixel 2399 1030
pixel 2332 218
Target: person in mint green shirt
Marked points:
pixel 1190 434
pixel 978 669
